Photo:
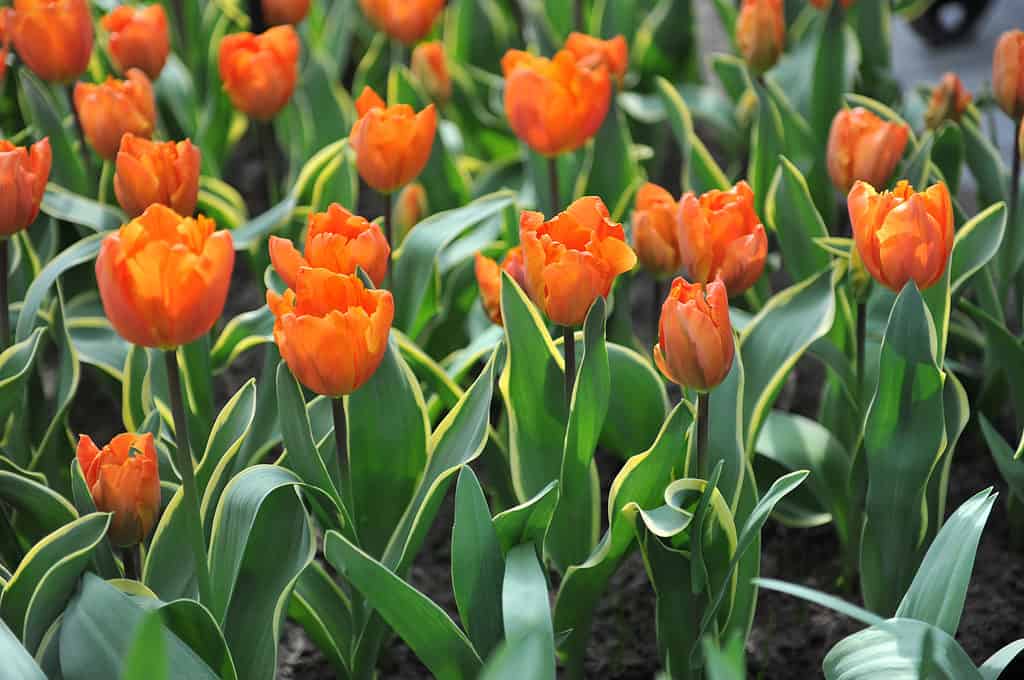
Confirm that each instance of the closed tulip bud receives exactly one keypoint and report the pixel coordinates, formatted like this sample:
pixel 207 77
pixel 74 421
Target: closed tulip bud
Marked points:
pixel 593 52
pixel 761 33
pixel 392 143
pixel 110 110
pixel 862 146
pixel 488 278
pixel 950 100
pixel 53 37
pixel 331 330
pixel 156 172
pixel 554 105
pixel 164 278
pixel 404 20
pixel 338 241
pixel 573 259
pixel 695 345
pixel 720 236
pixel 124 479
pixel 430 65
pixel 411 207
pixel 1008 73
pixel 23 176
pixel 280 12
pixel 259 72
pixel 901 234
pixel 655 226
pixel 139 38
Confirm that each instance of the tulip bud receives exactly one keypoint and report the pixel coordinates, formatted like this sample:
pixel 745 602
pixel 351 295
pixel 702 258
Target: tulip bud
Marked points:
pixel 1008 73
pixel 280 12
pixel 110 110
pixel 404 20
pixel 655 227
pixel 903 235
pixel 164 278
pixel 53 37
pixel 430 65
pixel 124 479
pixel 695 345
pixel 259 71
pixel 488 278
pixel 862 146
pixel 411 208
pixel 592 52
pixel 156 172
pixel 392 143
pixel 139 38
pixel 761 33
pixel 331 330
pixel 950 100
pixel 23 176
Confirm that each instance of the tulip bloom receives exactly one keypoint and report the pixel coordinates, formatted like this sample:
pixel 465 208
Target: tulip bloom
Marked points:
pixel 573 259
pixel 430 65
pixel 488 278
pixel 163 278
pixel 139 38
pixel 157 172
pixel 331 330
pixel 23 176
pixel 404 20
pixel 554 105
pixel 655 227
pixel 949 101
pixel 862 146
pixel 902 234
pixel 695 345
pixel 110 110
pixel 123 478
pixel 392 143
pixel 259 71
pixel 593 52
pixel 280 12
pixel 1008 73
pixel 720 236
pixel 53 37
pixel 761 33
pixel 411 208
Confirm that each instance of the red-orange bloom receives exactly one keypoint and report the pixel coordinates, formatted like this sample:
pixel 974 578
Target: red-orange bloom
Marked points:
pixel 592 52
pixel 392 143
pixel 488 278
pixel 279 12
pixel 720 236
pixel 331 330
pixel 259 71
pixel 655 227
pixel 573 258
pixel 949 101
pixel 1008 73
pixel 109 110
pixel 405 20
pixel 23 176
pixel 902 234
pixel 430 65
pixel 163 278
pixel 554 105
pixel 862 146
pixel 139 38
pixel 124 479
pixel 695 345
pixel 53 37
pixel 157 172
pixel 761 33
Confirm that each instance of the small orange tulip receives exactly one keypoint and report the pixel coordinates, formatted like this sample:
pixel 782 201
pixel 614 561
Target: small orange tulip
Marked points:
pixel 338 241
pixel 862 146
pixel 331 330
pixel 411 207
pixel 123 478
pixel 53 37
pixel 950 100
pixel 1008 73
pixel 573 258
pixel 163 278
pixel 554 105
pixel 280 12
pixel 720 236
pixel 157 172
pixel 655 226
pixel 488 278
pixel 139 38
pixel 695 345
pixel 761 33
pixel 430 65
pixel 392 143
pixel 902 235
pixel 259 71
pixel 592 52
pixel 404 20
pixel 23 176
pixel 110 110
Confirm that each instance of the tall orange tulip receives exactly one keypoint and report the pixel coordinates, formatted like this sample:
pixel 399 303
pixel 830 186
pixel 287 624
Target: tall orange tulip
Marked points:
pixel 761 33
pixel 392 143
pixel 1008 73
pixel 554 105
pixel 53 37
pixel 139 38
pixel 902 234
pixel 331 330
pixel 156 172
pixel 655 227
pixel 720 236
pixel 259 72
pixel 949 101
pixel 695 344
pixel 123 478
pixel 430 65
pixel 862 146
pixel 404 20
pixel 573 258
pixel 279 12
pixel 164 278
pixel 488 278
pixel 590 51
pixel 109 110
pixel 23 176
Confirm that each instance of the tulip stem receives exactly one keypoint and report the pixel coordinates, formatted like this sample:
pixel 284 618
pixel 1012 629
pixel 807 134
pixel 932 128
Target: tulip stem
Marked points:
pixel 188 478
pixel 341 446
pixel 703 432
pixel 388 231
pixel 132 559
pixel 556 201
pixel 862 329
pixel 569 345
pixel 5 311
pixel 579 15
pixel 657 301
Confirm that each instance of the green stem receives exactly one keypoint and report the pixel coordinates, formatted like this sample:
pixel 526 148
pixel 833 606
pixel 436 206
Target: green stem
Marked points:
pixel 703 432
pixel 569 345
pixel 579 15
pixel 341 446
pixel 106 176
pixel 556 200
pixel 862 327
pixel 389 236
pixel 5 311
pixel 132 558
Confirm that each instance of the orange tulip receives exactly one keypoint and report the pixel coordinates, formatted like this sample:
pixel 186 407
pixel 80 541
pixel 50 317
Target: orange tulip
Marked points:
pixel 824 4
pixel 655 224
pixel 5 41
pixel 156 172
pixel 331 330
pixel 411 207
pixel 53 37
pixel 720 236
pixel 554 105
pixel 901 234
pixel 23 176
pixel 695 345
pixel 430 65
pixel 488 278
pixel 139 38
pixel 573 258
pixel 259 71
pixel 950 100
pixel 404 20
pixel 761 33
pixel 392 143
pixel 1008 73
pixel 279 12
pixel 123 478
pixel 338 241
pixel 862 146
pixel 163 278
pixel 593 52
pixel 110 110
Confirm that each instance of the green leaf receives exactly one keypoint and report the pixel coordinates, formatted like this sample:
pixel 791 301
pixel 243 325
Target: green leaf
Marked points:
pixel 252 233
pixel 18 663
pixel 324 611
pixel 700 170
pixel 41 511
pixel 15 363
pixel 1010 467
pixel 948 155
pixel 524 657
pixel 147 656
pixel 103 554
pixel 615 174
pixel 638 402
pixel 528 521
pixel 832 602
pixel 39 108
pixel 525 605
pixel 61 204
pixel 791 213
pixel 767 144
pixel 228 434
pixel 243 332
pixel 829 76
pixel 994 666
pixel 977 242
